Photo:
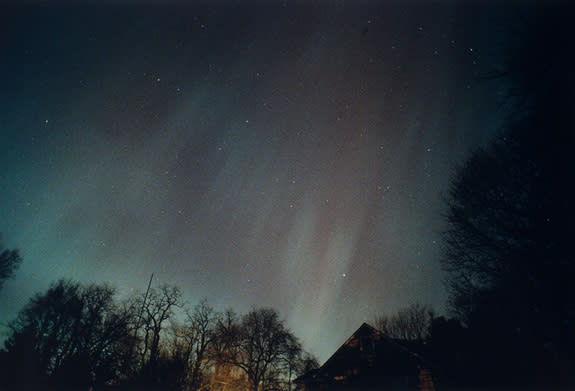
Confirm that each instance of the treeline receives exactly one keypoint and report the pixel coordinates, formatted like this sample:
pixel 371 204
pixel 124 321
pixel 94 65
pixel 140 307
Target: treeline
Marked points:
pixel 508 243
pixel 83 337
pixel 510 225
pixel 411 323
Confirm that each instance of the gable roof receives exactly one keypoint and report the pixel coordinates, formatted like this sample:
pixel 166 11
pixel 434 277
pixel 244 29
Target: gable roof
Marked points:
pixel 367 355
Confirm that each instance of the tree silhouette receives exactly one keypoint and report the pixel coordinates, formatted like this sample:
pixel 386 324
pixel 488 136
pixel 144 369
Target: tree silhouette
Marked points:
pixel 411 323
pixel 307 363
pixel 260 346
pixel 67 333
pixel 76 336
pixel 508 251
pixel 193 342
pixel 10 260
pixel 156 309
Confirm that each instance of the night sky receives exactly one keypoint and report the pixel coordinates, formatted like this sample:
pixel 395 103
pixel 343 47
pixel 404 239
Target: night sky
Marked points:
pixel 285 155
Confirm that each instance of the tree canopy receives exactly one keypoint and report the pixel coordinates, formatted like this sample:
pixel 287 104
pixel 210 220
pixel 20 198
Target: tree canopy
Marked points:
pixel 508 251
pixel 68 332
pixel 80 335
pixel 261 347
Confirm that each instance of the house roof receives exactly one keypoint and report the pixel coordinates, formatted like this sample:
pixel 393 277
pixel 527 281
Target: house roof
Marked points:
pixel 366 354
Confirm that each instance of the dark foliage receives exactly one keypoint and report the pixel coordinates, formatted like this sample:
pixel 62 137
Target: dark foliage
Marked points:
pixel 10 260
pixel 508 246
pixel 67 335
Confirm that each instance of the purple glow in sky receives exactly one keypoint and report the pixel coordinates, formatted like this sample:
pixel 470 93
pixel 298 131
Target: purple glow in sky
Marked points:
pixel 285 155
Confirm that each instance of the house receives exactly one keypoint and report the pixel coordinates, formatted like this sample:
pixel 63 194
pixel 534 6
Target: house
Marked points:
pixel 369 360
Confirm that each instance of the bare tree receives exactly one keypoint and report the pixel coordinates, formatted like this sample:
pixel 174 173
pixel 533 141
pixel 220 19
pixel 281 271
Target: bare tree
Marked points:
pixel 409 323
pixel 296 361
pixel 508 250
pixel 193 340
pixel 259 346
pixel 307 363
pixel 156 309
